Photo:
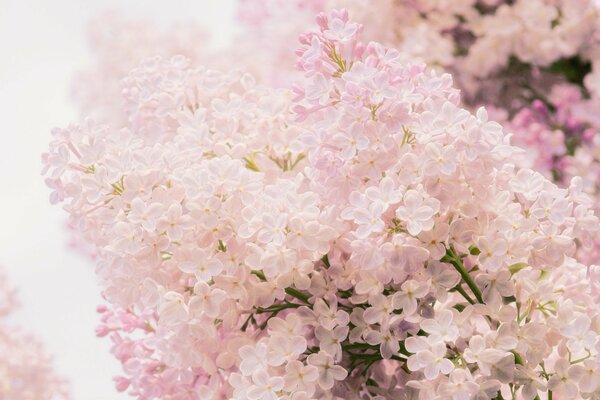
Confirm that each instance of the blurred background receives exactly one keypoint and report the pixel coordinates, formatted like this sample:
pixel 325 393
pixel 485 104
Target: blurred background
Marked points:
pixel 43 44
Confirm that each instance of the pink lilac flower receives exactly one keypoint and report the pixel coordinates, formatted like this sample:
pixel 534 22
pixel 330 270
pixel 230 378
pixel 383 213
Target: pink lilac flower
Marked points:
pixel 360 235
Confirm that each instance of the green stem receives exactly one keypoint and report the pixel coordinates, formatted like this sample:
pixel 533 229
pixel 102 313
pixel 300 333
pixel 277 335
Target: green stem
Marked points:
pixel 452 258
pixel 260 274
pixel 464 294
pixel 403 349
pixel 276 308
pixel 589 354
pixel 298 295
pixel 264 324
pixel 359 346
pixel 366 356
pixel 291 291
pixel 248 320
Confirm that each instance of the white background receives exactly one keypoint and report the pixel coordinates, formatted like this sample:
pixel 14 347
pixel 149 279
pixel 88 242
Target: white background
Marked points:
pixel 42 43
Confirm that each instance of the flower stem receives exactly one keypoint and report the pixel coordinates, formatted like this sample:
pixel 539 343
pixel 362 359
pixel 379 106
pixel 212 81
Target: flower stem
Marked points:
pixel 453 258
pixel 464 294
pixel 297 294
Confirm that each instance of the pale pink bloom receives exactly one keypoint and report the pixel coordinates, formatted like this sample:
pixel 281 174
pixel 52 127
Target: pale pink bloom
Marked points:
pixel 531 382
pixel 311 54
pixel 460 385
pixel 319 90
pixel 253 358
pixel 442 279
pixel 265 387
pixel 552 243
pixel 298 276
pixel 26 371
pixel 328 315
pixel 360 326
pixel 207 300
pixel 435 240
pixel 240 384
pixel 479 353
pixel 389 344
pixel 202 264
pixel 495 286
pixel 528 183
pixel 354 140
pixel 145 215
pixel 97 185
pixel 357 201
pixel 380 309
pixel 328 371
pixel 368 284
pixel 233 284
pixel 369 220
pixel 503 338
pixel 380 88
pixel 274 260
pixel 341 30
pixel 292 325
pixel 406 299
pixel 555 210
pixel 174 222
pixel 173 309
pixel 564 382
pixel 128 238
pixel 404 257
pixel 330 341
pixel 439 159
pixel 304 234
pixel 579 334
pixel 428 357
pixel 285 348
pixel 417 212
pixel 492 252
pixel 442 327
pixel 300 377
pixel 503 370
pixel 387 192
pixel 590 377
pixel 301 396
pixel 274 230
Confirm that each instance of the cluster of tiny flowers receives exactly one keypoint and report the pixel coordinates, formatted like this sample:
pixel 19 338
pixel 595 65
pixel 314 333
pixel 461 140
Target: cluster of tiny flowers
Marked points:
pixel 361 236
pixel 450 244
pixel 562 143
pixel 535 61
pixel 25 370
pixel 185 206
pixel 472 38
pixel 118 44
pixel 502 53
